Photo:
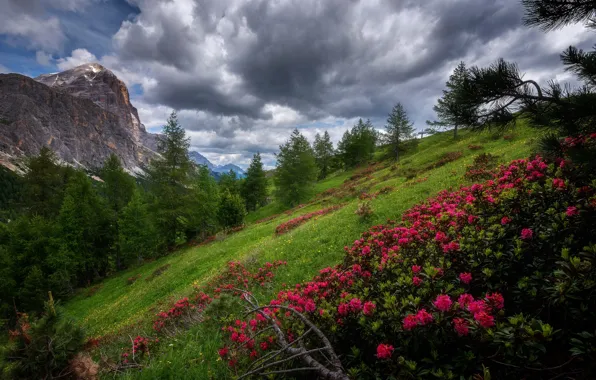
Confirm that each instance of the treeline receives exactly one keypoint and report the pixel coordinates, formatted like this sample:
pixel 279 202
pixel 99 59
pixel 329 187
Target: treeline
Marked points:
pixel 62 229
pixel 300 164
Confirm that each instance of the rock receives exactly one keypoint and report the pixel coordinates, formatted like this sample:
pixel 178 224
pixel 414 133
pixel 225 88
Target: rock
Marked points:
pixel 83 114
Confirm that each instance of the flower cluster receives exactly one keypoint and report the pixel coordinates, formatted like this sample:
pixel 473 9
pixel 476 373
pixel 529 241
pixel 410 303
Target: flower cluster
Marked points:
pixel 296 222
pixel 452 271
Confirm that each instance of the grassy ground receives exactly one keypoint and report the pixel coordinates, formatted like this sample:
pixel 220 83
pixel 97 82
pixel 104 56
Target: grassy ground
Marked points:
pixel 117 307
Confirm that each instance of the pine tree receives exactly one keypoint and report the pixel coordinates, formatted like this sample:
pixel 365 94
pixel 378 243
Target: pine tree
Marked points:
pixel 399 128
pixel 296 170
pixel 170 177
pixel 204 204
pixel 323 148
pixel 229 181
pixel 136 231
pixel 358 145
pixel 446 105
pixel 254 186
pixel 231 210
pixel 117 187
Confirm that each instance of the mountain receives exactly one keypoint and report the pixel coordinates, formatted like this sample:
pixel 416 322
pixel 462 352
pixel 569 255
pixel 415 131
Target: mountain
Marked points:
pixel 84 114
pixel 215 169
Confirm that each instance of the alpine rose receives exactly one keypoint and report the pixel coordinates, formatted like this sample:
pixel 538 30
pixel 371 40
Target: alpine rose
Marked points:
pixel 384 351
pixel 527 233
pixel 443 302
pixel 461 326
pixel 465 277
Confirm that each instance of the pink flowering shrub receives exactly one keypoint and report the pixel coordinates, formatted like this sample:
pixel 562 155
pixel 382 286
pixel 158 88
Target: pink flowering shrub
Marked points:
pixel 293 223
pixel 496 272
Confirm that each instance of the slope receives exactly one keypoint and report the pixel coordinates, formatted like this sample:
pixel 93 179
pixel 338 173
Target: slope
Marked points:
pixel 115 309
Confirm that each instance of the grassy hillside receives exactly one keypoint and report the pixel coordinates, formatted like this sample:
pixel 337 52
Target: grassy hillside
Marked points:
pixel 115 309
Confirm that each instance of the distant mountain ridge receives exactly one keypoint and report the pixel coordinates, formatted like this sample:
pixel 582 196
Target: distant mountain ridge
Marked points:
pixel 215 169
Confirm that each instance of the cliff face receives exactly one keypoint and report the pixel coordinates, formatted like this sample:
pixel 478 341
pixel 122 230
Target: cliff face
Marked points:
pixel 83 114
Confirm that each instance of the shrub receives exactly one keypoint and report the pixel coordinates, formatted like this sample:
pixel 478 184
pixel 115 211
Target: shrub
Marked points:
pixel 481 168
pixel 296 222
pixel 42 348
pixel 231 210
pixel 364 211
pixel 500 274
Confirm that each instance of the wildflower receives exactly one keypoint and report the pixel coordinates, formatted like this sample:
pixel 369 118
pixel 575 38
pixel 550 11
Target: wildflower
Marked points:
pixel 368 308
pixel 310 306
pixel 223 351
pixel 496 300
pixel 264 346
pixel 477 306
pixel 559 183
pixel 410 321
pixel 342 309
pixel 355 304
pixel 527 233
pixel 505 220
pixel 424 317
pixel 443 302
pixel 416 268
pixel 461 326
pixel 464 300
pixel 484 319
pixel 416 281
pixel 571 211
pixel 465 277
pixel 384 351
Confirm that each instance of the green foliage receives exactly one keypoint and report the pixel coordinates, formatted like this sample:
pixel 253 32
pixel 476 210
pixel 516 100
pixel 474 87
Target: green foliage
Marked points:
pixel 323 148
pixel 231 211
pixel 399 128
pixel 357 145
pixel 229 181
pixel 170 179
pixel 43 348
pixel 203 204
pixel 447 106
pixel 296 170
pixel 254 187
pixel 137 236
pixel 11 189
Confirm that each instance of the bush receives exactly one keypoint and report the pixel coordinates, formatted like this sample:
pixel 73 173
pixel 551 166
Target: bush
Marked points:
pixel 43 348
pixel 500 274
pixel 364 211
pixel 231 210
pixel 482 167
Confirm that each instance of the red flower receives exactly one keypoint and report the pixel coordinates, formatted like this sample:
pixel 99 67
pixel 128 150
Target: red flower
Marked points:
pixel 264 346
pixel 310 306
pixel 368 308
pixel 443 302
pixel 558 183
pixel 527 233
pixel 464 300
pixel 461 326
pixel 343 309
pixel 416 268
pixel 496 300
pixel 410 321
pixel 223 351
pixel 424 317
pixel 477 307
pixel 355 304
pixel 384 351
pixel 465 277
pixel 484 319
pixel 571 211
pixel 416 280
pixel 505 220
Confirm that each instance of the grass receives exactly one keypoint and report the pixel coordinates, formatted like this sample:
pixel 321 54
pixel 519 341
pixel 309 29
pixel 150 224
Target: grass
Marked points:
pixel 117 307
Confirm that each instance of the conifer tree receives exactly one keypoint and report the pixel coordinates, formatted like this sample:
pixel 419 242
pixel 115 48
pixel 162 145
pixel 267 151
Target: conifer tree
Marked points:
pixel 398 129
pixel 358 145
pixel 254 186
pixel 170 177
pixel 446 105
pixel 229 181
pixel 204 204
pixel 231 210
pixel 136 231
pixel 296 170
pixel 323 148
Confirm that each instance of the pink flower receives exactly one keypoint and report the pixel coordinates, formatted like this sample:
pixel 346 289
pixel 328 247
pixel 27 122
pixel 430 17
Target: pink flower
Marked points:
pixel 369 308
pixel 384 351
pixel 416 268
pixel 484 319
pixel 223 351
pixel 424 317
pixel 355 304
pixel 343 309
pixel 558 183
pixel 571 211
pixel 465 277
pixel 477 307
pixel 464 300
pixel 461 326
pixel 440 236
pixel 496 300
pixel 310 306
pixel 264 346
pixel 416 281
pixel 410 321
pixel 527 233
pixel 443 302
pixel 505 220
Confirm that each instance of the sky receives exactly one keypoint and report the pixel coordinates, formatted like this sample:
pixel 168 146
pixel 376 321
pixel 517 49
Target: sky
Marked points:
pixel 243 74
